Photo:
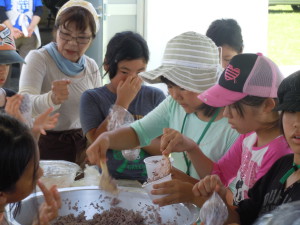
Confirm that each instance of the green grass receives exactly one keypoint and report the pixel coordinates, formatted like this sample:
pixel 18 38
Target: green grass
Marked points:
pixel 284 35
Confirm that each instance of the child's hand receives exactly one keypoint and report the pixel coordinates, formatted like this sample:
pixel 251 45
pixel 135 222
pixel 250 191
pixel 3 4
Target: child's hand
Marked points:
pixel 127 90
pixel 174 141
pixel 209 184
pixel 44 122
pixel 49 209
pixel 17 33
pixel 97 150
pixel 12 107
pixel 177 191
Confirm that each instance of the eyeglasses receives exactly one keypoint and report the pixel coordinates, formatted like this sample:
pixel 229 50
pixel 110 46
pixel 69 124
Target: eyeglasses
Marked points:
pixel 79 40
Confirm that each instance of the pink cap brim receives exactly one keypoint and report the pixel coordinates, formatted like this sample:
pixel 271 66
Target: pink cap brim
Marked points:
pixel 217 96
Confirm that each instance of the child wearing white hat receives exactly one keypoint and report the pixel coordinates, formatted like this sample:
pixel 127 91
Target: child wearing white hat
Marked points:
pixel 190 66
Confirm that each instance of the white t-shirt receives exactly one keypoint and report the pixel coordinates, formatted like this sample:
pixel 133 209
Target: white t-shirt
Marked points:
pixel 36 79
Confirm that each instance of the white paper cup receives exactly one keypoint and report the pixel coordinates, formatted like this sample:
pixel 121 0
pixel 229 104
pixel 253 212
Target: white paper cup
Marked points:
pixel 148 187
pixel 152 162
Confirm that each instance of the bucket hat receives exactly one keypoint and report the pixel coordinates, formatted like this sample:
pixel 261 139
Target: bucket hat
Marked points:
pixel 190 60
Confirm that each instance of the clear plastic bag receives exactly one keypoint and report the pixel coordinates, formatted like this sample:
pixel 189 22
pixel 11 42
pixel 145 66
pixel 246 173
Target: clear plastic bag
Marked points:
pixel 26 110
pixel 214 211
pixel 287 214
pixel 120 117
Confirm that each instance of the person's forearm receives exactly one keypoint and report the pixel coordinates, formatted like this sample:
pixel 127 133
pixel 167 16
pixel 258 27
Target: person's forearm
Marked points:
pixel 36 134
pixel 199 201
pixel 94 133
pixel 202 164
pixel 154 147
pixel 123 138
pixel 35 20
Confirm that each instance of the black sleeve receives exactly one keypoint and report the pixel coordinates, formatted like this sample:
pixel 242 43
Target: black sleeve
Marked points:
pixel 9 92
pixel 38 11
pixel 3 15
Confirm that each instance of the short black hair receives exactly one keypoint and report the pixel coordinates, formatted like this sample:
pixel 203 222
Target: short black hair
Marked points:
pixel 226 31
pixel 17 148
pixel 82 18
pixel 254 101
pixel 126 45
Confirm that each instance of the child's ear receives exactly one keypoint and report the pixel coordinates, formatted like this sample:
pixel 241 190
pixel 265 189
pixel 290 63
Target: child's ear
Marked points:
pixel 269 105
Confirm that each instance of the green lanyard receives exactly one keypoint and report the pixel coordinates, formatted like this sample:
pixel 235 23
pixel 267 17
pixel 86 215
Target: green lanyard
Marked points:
pixel 187 161
pixel 289 173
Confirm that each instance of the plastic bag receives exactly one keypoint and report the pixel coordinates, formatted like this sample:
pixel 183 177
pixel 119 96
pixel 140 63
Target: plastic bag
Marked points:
pixel 26 110
pixel 120 117
pixel 214 211
pixel 91 175
pixel 287 214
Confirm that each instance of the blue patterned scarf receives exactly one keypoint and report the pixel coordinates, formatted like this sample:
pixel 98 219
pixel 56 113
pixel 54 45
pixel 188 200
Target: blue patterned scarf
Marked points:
pixel 66 66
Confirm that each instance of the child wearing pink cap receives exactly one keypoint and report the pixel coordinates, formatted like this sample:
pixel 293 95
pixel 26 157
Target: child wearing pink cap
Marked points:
pixel 280 185
pixel 248 90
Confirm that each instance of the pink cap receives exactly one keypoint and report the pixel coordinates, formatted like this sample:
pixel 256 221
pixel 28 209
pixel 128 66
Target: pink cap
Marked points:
pixel 217 96
pixel 246 74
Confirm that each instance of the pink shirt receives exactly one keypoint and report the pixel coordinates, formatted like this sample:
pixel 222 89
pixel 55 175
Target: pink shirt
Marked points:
pixel 248 163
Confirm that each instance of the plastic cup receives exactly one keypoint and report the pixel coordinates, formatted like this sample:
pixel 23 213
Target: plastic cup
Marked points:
pixel 148 187
pixel 152 162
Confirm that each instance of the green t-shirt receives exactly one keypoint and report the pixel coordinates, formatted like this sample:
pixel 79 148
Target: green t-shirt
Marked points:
pixel 169 114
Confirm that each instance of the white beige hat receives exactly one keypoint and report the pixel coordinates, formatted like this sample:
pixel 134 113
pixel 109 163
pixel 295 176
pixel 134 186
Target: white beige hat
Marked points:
pixel 84 4
pixel 191 61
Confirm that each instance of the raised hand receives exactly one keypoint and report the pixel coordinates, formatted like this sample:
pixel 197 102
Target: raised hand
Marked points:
pixel 12 107
pixel 127 90
pixel 174 141
pixel 44 122
pixel 60 91
pixel 49 209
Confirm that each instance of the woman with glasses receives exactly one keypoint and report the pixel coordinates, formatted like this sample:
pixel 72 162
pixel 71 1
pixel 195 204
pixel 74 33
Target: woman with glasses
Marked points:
pixel 56 76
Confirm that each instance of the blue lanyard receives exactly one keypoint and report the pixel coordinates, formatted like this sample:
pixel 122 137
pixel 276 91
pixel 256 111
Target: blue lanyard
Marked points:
pixel 187 161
